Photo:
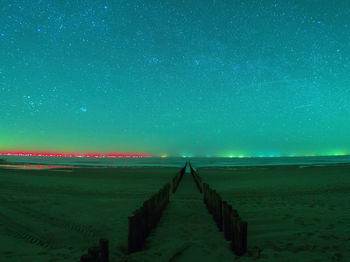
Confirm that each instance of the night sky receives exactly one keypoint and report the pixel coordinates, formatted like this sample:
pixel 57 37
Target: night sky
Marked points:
pixel 176 78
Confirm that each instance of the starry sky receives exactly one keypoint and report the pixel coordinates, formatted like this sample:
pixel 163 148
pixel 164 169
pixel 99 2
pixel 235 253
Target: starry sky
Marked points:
pixel 176 78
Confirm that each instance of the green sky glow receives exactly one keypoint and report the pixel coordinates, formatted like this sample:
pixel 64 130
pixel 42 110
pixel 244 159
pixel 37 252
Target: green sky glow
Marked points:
pixel 201 78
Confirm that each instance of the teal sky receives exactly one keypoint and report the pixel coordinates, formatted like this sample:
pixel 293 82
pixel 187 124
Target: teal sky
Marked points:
pixel 201 78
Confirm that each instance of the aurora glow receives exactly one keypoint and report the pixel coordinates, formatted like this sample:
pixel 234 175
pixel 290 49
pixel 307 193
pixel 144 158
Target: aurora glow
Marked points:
pixel 175 78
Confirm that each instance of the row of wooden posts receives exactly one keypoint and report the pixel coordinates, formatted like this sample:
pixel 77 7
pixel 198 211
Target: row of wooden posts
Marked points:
pixel 146 218
pixel 197 179
pixel 227 220
pixel 97 253
pixel 177 178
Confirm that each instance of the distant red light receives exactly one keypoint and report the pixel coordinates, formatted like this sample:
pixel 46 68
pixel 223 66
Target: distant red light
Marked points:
pixel 70 155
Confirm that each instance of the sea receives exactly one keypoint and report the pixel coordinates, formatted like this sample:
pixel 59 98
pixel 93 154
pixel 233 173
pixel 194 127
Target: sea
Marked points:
pixel 23 162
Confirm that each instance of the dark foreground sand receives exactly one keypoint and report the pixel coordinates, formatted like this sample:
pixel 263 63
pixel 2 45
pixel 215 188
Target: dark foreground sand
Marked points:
pixel 293 214
pixel 50 215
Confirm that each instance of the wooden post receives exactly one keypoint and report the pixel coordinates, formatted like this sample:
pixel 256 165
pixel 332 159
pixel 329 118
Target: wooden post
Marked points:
pixel 144 214
pixel 104 247
pixel 215 203
pixel 234 244
pixel 158 208
pixel 168 194
pixel 174 185
pixel 149 207
pixel 138 230
pixel 208 197
pixel 136 233
pixel 141 228
pixel 163 197
pixel 227 213
pixel 239 238
pixel 199 184
pixel 150 214
pixel 211 201
pixel 131 234
pixel 205 194
pixel 219 212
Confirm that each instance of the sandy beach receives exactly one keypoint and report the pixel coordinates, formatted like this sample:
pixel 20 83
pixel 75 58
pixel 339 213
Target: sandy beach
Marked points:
pixel 294 213
pixel 55 215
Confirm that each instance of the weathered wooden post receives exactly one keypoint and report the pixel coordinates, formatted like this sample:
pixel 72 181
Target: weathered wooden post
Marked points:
pixel 174 185
pixel 227 210
pixel 205 194
pixel 208 197
pixel 148 213
pixel 208 192
pixel 178 179
pixel 136 233
pixel 239 237
pixel 215 206
pixel 219 211
pixel 211 198
pixel 160 200
pixel 154 211
pixel 132 234
pixel 141 228
pixel 213 202
pixel 145 217
pixel 199 184
pixel 104 248
pixel 138 230
pixel 168 193
pixel 158 208
pixel 163 197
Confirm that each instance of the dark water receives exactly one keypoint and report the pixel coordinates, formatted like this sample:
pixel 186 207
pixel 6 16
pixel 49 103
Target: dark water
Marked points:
pixel 59 162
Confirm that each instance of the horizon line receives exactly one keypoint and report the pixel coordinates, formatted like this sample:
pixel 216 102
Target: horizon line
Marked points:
pixel 132 155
